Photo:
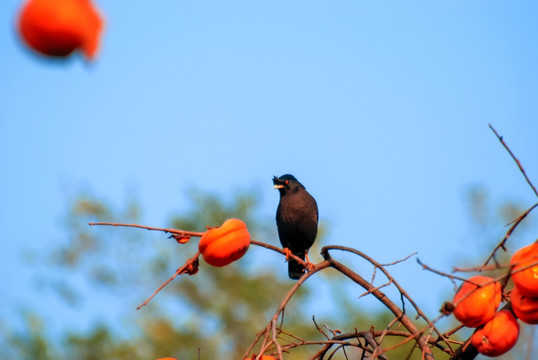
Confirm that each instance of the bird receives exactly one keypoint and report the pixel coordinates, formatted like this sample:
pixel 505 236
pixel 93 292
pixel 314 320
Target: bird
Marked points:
pixel 297 221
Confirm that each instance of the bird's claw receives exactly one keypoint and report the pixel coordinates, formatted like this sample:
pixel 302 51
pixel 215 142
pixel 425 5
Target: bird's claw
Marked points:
pixel 287 253
pixel 309 266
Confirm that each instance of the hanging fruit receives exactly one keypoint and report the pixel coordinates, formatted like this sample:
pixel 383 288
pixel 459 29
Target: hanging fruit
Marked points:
pixel 525 307
pixel 476 305
pixel 57 28
pixel 498 335
pixel 525 270
pixel 222 245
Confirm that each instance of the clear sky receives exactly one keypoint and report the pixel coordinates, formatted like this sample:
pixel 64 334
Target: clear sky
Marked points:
pixel 380 108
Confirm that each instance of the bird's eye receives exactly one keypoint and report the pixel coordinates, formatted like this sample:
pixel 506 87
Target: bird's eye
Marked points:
pixel 286 182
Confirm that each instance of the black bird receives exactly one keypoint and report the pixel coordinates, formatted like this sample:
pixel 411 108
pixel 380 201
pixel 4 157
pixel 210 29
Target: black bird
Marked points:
pixel 296 220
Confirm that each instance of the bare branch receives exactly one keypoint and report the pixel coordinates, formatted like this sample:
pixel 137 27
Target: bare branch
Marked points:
pixel 514 223
pixel 450 276
pixel 190 267
pixel 170 231
pixel 405 320
pixel 270 333
pixel 515 159
pixel 401 260
pixel 387 274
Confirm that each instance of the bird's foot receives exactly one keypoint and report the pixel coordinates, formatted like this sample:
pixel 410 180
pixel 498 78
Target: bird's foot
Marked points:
pixel 288 253
pixel 309 266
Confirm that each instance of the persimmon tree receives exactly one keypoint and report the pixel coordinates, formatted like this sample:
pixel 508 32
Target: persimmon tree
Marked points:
pixel 245 310
pixel 476 304
pixel 484 303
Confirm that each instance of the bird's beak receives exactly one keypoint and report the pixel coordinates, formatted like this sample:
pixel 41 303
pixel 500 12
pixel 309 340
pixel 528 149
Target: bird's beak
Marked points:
pixel 276 181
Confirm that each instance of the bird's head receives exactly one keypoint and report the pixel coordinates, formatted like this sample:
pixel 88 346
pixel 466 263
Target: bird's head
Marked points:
pixel 286 183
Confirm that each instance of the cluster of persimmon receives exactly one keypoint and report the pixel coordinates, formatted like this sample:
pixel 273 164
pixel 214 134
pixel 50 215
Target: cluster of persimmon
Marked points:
pixel 57 28
pixel 477 304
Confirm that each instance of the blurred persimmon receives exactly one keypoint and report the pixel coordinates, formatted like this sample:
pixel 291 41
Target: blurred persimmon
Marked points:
pixel 57 28
pixel 525 270
pixel 525 307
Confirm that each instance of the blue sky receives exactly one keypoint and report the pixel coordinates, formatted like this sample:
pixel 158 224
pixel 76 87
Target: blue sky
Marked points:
pixel 380 109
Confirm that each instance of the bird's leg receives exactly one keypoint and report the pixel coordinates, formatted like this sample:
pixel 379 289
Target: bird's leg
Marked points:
pixel 288 253
pixel 309 266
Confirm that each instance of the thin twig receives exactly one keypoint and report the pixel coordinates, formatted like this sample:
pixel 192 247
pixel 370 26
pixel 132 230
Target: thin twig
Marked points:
pixel 170 231
pixel 515 159
pixel 190 267
pixel 405 320
pixel 515 223
pixel 396 284
pixel 368 292
pixel 319 329
pixel 438 272
pixel 401 260
pixel 478 268
pixel 269 332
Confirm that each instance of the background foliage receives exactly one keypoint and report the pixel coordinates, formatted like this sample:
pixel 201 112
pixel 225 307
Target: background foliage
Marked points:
pixel 214 314
pixel 381 107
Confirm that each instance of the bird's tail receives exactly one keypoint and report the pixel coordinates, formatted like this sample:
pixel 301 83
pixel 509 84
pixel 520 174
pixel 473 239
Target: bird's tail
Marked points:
pixel 295 270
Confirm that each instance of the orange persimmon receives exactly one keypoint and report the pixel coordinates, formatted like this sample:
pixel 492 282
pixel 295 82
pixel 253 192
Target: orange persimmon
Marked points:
pixel 498 335
pixel 476 305
pixel 222 245
pixel 525 307
pixel 59 27
pixel 526 280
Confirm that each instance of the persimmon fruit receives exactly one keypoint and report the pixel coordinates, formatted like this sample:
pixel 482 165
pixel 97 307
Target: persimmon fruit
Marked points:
pixel 524 273
pixel 475 305
pixel 498 335
pixel 525 307
pixel 57 28
pixel 222 245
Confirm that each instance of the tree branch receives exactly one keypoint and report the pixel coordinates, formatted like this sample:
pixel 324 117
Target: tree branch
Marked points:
pixel 514 223
pixel 515 159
